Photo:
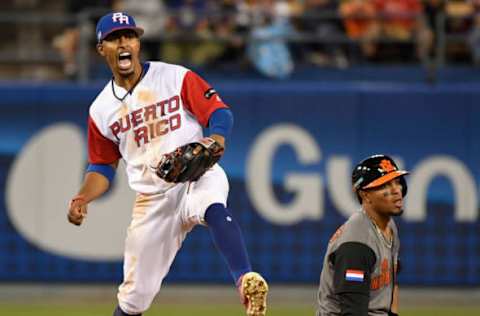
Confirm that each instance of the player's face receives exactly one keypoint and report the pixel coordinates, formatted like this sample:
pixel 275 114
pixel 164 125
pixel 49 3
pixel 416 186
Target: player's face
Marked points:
pixel 387 199
pixel 121 50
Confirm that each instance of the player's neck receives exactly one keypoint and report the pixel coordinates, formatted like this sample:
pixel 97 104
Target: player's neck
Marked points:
pixel 380 220
pixel 128 82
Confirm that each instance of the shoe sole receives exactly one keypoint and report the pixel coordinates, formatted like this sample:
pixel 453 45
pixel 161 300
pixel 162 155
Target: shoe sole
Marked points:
pixel 255 289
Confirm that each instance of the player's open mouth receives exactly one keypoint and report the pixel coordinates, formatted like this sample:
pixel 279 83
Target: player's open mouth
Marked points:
pixel 124 60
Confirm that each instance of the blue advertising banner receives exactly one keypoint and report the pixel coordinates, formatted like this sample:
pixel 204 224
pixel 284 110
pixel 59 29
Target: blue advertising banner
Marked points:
pixel 289 162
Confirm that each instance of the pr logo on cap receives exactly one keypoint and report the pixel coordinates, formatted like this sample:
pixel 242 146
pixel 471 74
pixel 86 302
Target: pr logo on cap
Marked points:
pixel 116 21
pixel 119 17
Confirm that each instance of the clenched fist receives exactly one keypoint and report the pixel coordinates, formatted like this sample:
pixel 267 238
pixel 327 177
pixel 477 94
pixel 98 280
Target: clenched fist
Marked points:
pixel 77 210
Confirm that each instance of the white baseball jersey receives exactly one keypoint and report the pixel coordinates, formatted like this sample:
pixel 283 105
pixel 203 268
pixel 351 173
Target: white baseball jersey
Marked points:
pixel 164 111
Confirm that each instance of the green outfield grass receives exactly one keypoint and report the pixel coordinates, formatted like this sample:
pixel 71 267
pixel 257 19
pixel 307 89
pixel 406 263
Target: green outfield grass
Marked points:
pixel 25 309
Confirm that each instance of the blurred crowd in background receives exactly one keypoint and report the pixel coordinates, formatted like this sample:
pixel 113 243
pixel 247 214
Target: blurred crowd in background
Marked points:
pixel 268 36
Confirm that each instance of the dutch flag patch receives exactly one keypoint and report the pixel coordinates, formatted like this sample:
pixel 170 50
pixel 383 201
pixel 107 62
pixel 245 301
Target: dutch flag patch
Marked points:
pixel 354 275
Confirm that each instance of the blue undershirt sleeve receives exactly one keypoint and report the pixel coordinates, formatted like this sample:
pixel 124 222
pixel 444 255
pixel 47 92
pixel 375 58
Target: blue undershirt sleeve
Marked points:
pixel 221 122
pixel 106 170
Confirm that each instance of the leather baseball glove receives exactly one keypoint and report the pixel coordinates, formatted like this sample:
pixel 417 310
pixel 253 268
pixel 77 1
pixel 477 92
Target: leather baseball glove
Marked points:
pixel 189 162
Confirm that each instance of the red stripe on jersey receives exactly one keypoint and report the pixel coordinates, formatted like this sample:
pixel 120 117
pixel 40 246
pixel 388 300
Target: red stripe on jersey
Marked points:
pixel 195 101
pixel 101 150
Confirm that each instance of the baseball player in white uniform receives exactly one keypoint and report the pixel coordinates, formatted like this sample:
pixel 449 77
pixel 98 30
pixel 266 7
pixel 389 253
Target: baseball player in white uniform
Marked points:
pixel 144 115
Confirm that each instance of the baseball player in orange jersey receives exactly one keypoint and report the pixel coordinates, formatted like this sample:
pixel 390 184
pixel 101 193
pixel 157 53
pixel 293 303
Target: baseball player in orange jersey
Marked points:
pixel 151 115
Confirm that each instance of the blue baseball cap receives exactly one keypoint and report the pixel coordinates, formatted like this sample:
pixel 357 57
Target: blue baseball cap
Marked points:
pixel 116 21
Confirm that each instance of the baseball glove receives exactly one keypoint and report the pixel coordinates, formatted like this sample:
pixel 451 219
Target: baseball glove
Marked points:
pixel 189 162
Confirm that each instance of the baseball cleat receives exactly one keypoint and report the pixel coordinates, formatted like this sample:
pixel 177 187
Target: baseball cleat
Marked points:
pixel 254 290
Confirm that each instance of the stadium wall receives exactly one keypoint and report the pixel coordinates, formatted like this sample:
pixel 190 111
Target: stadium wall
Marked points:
pixel 289 162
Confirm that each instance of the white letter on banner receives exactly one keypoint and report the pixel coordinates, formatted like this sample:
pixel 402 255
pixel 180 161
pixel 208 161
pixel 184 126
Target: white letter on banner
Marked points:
pixel 308 188
pixel 339 175
pixel 46 173
pixel 464 188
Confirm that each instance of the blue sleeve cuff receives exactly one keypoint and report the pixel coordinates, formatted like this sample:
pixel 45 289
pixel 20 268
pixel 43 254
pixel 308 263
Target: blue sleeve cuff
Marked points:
pixel 106 170
pixel 221 122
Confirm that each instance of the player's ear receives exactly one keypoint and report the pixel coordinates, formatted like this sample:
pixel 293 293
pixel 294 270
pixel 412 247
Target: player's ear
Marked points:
pixel 100 49
pixel 363 196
